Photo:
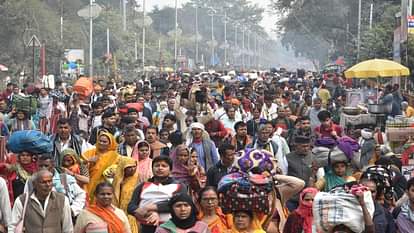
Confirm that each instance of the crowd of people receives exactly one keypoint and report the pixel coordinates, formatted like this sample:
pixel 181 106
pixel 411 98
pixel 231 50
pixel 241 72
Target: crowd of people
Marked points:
pixel 150 155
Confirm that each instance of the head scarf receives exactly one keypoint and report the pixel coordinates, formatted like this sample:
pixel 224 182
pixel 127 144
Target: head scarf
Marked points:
pixel 179 170
pixel 144 164
pixel 113 146
pixel 75 168
pixel 183 223
pixel 128 183
pixel 105 161
pixel 124 188
pixel 195 125
pixel 305 210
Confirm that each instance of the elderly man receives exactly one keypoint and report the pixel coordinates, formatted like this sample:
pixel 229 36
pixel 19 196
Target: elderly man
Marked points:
pixel 62 183
pixel 206 149
pixel 46 211
pixel 263 140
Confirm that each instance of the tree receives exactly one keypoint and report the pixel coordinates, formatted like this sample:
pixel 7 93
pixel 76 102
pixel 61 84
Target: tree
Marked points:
pixel 325 36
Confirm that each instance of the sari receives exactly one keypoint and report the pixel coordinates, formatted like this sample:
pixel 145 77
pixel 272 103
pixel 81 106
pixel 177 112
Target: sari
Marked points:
pixel 221 224
pixel 331 180
pixel 115 225
pixel 144 167
pixel 179 171
pixel 124 188
pixel 106 161
pixel 193 177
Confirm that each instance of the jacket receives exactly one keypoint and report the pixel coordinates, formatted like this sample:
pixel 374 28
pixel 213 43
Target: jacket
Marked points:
pixel 74 143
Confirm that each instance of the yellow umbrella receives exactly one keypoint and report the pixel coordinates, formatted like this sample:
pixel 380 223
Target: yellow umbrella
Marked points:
pixel 377 68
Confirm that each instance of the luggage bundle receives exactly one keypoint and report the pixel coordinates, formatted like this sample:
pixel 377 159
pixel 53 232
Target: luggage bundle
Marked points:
pixel 322 155
pixel 237 191
pixel 250 185
pixel 32 141
pixel 341 207
pixel 83 86
pixel 328 151
pixel 28 104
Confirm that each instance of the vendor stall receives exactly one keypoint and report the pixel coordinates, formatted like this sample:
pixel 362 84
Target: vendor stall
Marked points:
pixel 358 121
pixel 376 69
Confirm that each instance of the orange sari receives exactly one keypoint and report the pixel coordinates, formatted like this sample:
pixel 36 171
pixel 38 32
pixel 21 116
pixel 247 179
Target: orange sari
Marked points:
pixel 115 225
pixel 222 223
pixel 106 161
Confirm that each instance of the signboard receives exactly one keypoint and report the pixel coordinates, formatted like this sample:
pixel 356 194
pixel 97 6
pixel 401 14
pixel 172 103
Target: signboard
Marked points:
pixel 34 41
pixel 411 24
pixel 74 61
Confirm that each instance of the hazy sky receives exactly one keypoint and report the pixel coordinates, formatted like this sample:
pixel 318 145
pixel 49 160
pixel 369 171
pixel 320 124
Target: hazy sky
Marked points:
pixel 268 21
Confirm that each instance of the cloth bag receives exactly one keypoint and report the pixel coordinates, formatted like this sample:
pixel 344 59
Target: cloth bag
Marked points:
pixel 321 155
pixel 32 141
pixel 339 207
pixel 20 225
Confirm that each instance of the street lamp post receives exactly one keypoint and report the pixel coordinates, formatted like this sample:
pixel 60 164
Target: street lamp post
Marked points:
pixel 225 38
pixel 196 29
pixel 242 53
pixel 248 50
pixel 359 28
pixel 90 39
pixel 124 2
pixel 143 36
pixel 235 44
pixel 175 36
pixel 212 37
pixel 255 52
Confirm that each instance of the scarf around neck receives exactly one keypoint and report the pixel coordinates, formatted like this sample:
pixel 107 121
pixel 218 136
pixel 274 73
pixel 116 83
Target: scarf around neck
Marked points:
pixel 107 214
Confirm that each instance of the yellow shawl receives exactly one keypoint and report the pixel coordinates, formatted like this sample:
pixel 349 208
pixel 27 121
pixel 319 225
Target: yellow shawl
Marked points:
pixel 124 187
pixel 107 160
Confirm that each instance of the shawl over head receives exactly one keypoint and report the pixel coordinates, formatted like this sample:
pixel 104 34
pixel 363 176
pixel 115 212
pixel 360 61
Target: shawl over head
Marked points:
pixel 179 170
pixel 144 164
pixel 305 209
pixel 75 168
pixel 124 185
pixel 104 161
